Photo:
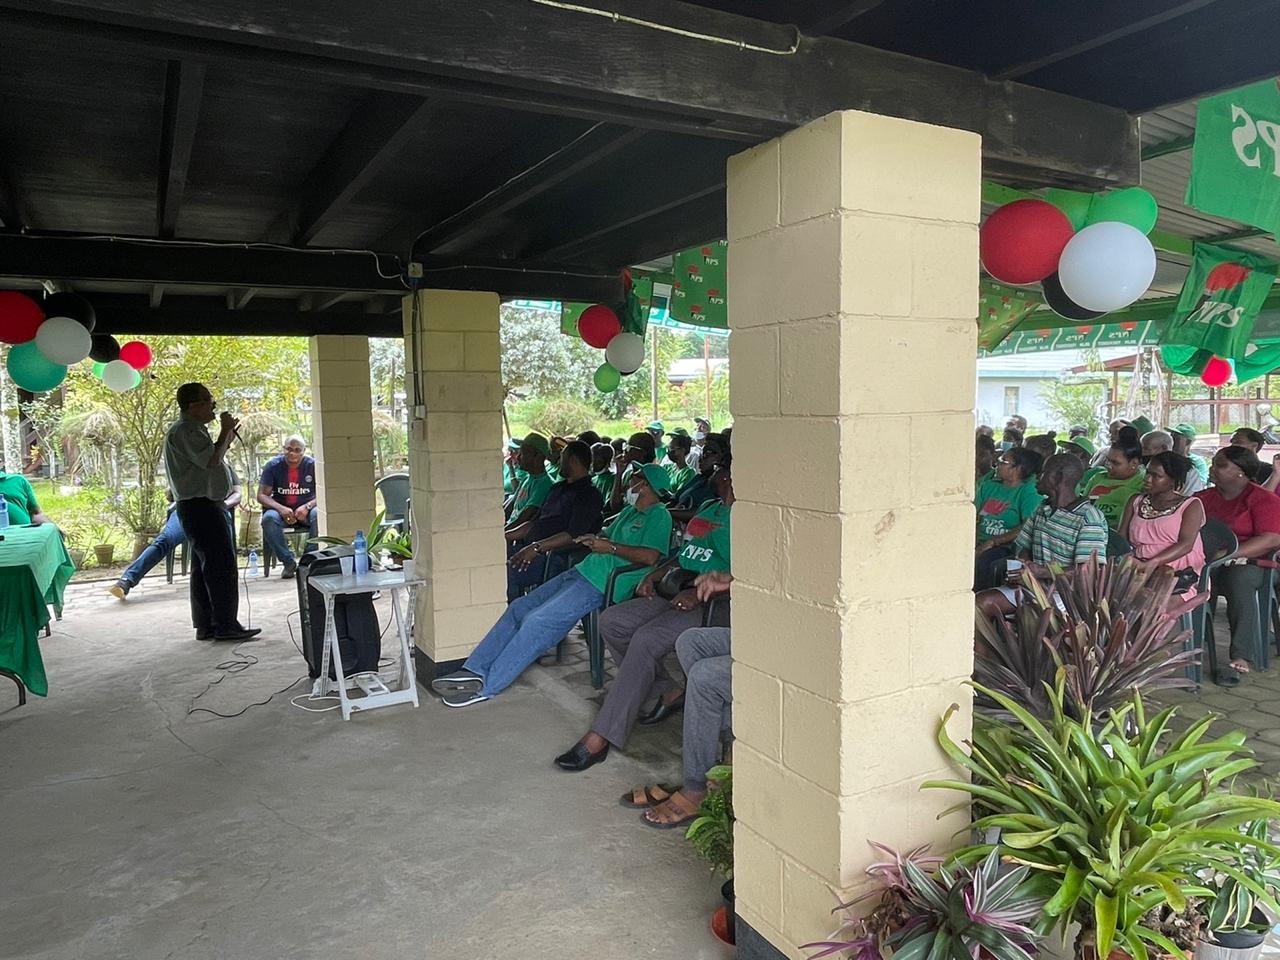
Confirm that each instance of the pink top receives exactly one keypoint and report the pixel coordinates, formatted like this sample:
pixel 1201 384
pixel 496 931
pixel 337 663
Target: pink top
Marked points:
pixel 1150 536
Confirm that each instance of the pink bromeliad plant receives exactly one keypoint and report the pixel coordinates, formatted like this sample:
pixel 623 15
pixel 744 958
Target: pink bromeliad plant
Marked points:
pixel 928 909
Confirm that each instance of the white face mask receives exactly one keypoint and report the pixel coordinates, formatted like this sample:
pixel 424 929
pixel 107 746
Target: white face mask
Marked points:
pixel 631 497
pixel 699 435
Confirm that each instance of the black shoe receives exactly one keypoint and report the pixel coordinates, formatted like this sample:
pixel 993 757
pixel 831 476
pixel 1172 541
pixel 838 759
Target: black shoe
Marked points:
pixel 288 572
pixel 579 758
pixel 244 633
pixel 662 711
pixel 204 634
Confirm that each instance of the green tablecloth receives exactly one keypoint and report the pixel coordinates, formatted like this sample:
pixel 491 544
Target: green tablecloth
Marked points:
pixel 34 569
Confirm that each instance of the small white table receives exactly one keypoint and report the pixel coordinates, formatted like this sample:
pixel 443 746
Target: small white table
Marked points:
pixel 378 689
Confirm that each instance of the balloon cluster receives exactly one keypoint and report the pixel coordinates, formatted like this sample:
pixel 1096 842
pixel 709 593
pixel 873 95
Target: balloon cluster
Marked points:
pixel 50 336
pixel 600 327
pixel 1089 253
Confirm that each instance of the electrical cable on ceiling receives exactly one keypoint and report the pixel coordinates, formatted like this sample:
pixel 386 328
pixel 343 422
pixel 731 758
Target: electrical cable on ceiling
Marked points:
pixel 665 28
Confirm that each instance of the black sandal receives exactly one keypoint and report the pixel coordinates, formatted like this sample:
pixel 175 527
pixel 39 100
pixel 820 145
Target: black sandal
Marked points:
pixel 1227 677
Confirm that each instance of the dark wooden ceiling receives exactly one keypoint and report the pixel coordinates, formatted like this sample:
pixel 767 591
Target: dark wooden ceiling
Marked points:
pixel 544 147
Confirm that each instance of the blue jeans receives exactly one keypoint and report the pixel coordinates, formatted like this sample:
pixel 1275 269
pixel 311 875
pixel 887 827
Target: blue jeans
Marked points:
pixel 273 534
pixel 530 627
pixel 167 541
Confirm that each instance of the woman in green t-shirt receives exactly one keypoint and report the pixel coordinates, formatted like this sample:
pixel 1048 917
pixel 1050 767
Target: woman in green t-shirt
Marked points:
pixel 1003 503
pixel 1120 483
pixel 642 632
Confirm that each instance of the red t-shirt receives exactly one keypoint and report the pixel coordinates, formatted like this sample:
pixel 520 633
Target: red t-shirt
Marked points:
pixel 1254 512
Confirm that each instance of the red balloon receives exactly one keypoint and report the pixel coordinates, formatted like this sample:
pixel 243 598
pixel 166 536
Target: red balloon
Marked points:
pixel 136 354
pixel 20 316
pixel 598 325
pixel 1022 241
pixel 1216 372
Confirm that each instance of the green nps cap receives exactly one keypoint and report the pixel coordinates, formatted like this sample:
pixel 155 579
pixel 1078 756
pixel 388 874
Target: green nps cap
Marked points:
pixel 513 444
pixel 656 477
pixel 1084 443
pixel 538 442
pixel 1186 429
pixel 655 425
pixel 1142 425
pixel 678 432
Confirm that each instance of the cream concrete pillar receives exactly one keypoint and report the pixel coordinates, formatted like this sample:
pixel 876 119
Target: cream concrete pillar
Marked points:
pixel 342 421
pixel 455 469
pixel 854 270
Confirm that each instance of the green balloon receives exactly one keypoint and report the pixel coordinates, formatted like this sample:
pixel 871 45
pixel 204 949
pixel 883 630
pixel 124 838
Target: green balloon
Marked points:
pixel 1073 203
pixel 607 378
pixel 1133 206
pixel 97 369
pixel 137 379
pixel 31 371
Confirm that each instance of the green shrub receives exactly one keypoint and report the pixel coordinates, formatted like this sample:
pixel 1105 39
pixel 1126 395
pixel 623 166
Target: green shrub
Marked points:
pixel 560 417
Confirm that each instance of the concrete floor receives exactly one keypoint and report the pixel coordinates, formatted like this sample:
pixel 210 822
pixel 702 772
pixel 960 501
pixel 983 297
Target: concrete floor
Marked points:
pixel 134 830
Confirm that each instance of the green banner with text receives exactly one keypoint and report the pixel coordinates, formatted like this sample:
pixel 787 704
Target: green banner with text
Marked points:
pixel 1220 301
pixel 1235 163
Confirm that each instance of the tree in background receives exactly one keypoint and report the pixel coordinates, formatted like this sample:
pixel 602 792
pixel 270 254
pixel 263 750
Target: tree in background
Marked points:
pixel 245 374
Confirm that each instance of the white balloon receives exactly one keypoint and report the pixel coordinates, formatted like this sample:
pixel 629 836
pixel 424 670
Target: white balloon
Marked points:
pixel 1107 266
pixel 63 340
pixel 626 352
pixel 119 376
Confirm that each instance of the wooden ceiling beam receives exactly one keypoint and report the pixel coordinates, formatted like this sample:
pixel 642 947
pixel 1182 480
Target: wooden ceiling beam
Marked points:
pixel 752 78
pixel 123 313
pixel 183 91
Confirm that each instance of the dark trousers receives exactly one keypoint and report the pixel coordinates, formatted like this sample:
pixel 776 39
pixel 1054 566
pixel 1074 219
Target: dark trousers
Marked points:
pixel 215 600
pixel 989 568
pixel 1240 583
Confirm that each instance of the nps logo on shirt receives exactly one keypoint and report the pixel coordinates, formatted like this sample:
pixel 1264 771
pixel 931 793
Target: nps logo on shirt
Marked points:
pixel 995 506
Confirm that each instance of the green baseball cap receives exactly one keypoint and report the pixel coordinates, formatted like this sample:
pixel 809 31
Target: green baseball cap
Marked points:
pixel 513 444
pixel 655 425
pixel 1186 429
pixel 678 432
pixel 1084 443
pixel 538 442
pixel 1142 425
pixel 656 477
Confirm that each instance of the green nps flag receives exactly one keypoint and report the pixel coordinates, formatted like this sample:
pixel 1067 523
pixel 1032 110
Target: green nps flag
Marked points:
pixel 698 293
pixel 1259 360
pixel 1220 301
pixel 1000 309
pixel 1235 163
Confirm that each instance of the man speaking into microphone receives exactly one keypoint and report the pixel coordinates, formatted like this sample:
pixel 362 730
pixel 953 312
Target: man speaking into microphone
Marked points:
pixel 200 481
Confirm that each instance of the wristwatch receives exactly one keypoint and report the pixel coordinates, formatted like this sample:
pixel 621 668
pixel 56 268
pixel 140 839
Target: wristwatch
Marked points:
pixel 537 548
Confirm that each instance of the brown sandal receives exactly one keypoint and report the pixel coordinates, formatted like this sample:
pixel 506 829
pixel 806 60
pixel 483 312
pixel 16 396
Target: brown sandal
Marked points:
pixel 641 798
pixel 677 803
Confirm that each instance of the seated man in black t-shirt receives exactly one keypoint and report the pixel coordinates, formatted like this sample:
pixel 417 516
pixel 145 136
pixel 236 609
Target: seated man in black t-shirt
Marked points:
pixel 287 493
pixel 573 508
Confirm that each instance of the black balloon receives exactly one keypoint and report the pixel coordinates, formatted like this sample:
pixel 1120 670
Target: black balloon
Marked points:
pixel 105 348
pixel 70 305
pixel 1063 305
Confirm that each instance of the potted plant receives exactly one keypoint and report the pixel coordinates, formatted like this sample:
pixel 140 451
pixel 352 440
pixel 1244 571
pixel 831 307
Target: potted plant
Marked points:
pixel 1116 818
pixel 1111 628
pixel 712 837
pixel 1235 925
pixel 928 909
pixel 100 539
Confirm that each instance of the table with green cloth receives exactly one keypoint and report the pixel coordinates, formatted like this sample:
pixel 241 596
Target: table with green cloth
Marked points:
pixel 34 570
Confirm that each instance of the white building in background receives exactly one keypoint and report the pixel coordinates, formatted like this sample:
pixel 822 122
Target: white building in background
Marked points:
pixel 1016 384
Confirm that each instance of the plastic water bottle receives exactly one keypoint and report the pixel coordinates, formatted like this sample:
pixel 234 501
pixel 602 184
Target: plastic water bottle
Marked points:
pixel 362 553
pixel 4 513
pixel 253 563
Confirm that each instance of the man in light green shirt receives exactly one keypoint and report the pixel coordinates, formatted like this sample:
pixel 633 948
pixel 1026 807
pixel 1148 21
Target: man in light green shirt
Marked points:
pixel 534 451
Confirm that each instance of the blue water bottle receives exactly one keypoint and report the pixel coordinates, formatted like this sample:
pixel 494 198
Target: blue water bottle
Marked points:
pixel 4 513
pixel 362 553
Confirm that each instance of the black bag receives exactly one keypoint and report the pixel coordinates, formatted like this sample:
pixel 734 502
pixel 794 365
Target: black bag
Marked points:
pixel 359 639
pixel 673 582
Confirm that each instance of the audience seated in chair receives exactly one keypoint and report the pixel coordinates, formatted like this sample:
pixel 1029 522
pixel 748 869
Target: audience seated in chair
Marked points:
pixel 707 664
pixel 699 490
pixel 1003 502
pixel 288 496
pixel 524 505
pixel 641 632
pixel 1161 441
pixel 573 508
pixel 638 451
pixel 1253 514
pixel 537 621
pixel 601 469
pixel 1065 530
pixel 1162 524
pixel 1123 478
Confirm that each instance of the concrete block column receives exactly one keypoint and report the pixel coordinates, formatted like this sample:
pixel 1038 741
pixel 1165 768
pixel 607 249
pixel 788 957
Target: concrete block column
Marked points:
pixel 854 271
pixel 342 417
pixel 455 469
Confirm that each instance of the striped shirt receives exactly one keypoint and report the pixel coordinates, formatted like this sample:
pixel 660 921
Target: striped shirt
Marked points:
pixel 1064 536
